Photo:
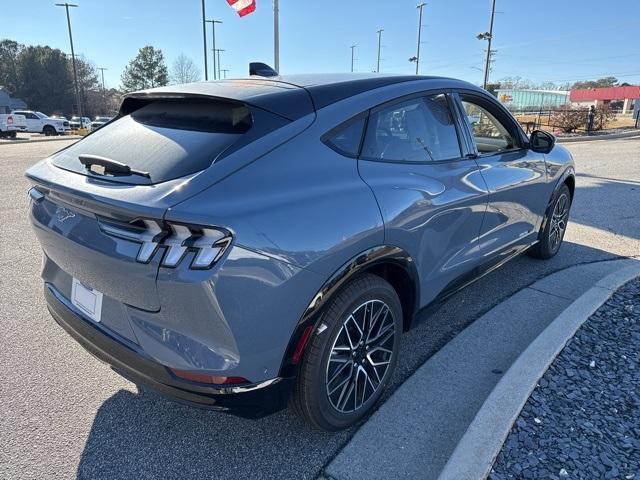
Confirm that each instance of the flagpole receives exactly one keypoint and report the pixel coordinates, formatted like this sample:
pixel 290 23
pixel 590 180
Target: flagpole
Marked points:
pixel 276 38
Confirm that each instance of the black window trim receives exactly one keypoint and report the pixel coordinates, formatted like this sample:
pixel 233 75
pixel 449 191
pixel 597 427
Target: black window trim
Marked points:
pixel 424 93
pixel 499 112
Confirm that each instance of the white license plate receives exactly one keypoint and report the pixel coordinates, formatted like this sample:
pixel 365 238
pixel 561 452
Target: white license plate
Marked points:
pixel 86 299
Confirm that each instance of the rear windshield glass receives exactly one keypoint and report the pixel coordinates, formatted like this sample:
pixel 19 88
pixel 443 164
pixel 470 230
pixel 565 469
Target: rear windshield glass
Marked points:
pixel 166 138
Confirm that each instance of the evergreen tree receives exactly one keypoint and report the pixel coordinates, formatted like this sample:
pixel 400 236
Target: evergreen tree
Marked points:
pixel 147 70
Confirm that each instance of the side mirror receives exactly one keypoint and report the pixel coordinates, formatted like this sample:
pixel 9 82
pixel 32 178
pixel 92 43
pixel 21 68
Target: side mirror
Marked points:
pixel 541 141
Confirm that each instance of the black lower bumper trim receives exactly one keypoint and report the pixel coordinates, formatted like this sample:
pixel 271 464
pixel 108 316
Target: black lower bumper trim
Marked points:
pixel 251 401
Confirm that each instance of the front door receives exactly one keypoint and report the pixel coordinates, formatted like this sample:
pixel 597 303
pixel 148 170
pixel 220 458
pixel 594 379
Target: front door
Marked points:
pixel 515 177
pixel 431 195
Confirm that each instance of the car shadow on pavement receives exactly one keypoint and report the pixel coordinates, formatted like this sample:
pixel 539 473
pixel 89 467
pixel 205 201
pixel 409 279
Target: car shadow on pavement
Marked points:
pixel 144 435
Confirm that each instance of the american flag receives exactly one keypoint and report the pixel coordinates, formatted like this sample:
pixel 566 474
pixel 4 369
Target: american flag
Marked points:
pixel 243 7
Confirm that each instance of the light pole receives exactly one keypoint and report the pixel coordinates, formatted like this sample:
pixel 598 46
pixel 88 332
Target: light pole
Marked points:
pixel 489 37
pixel 73 55
pixel 104 98
pixel 213 33
pixel 218 50
pixel 204 41
pixel 276 36
pixel 420 7
pixel 353 47
pixel 224 72
pixel 379 45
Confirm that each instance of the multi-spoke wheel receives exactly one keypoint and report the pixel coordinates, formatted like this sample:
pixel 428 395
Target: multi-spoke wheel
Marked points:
pixel 360 356
pixel 348 363
pixel 555 225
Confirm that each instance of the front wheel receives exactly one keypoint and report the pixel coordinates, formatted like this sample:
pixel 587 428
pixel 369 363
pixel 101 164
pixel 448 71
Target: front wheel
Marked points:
pixel 351 356
pixel 555 225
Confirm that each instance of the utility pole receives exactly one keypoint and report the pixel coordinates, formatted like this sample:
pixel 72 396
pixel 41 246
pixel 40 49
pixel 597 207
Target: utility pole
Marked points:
pixel 353 47
pixel 224 72
pixel 379 45
pixel 218 50
pixel 489 37
pixel 104 98
pixel 276 36
pixel 73 55
pixel 204 40
pixel 420 7
pixel 213 32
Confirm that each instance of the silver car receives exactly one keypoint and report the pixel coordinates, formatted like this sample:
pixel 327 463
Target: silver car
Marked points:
pixel 247 244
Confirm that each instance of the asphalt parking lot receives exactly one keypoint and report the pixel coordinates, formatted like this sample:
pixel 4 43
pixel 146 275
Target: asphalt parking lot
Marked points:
pixel 63 414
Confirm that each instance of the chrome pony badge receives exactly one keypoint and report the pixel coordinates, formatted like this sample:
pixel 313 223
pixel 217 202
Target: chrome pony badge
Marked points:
pixel 64 214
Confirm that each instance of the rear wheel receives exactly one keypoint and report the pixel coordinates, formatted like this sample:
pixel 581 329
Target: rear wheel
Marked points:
pixel 555 225
pixel 348 363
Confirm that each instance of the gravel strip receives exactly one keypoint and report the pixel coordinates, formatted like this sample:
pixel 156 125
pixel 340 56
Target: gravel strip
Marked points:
pixel 583 418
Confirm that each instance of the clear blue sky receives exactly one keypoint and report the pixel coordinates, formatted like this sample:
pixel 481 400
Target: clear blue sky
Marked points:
pixel 544 40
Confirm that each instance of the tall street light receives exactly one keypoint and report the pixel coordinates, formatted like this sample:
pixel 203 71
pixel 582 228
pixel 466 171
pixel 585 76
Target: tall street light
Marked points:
pixel 213 22
pixel 488 36
pixel 204 41
pixel 276 36
pixel 73 55
pixel 420 7
pixel 217 51
pixel 379 45
pixel 104 98
pixel 353 47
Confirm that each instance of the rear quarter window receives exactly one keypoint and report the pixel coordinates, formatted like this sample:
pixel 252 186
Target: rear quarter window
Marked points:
pixel 346 138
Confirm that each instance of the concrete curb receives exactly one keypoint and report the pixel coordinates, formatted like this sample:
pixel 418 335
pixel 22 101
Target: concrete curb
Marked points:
pixel 611 136
pixel 38 140
pixel 474 456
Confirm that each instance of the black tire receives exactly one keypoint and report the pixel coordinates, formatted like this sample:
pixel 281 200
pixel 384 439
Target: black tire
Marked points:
pixel 49 131
pixel 554 226
pixel 12 134
pixel 366 294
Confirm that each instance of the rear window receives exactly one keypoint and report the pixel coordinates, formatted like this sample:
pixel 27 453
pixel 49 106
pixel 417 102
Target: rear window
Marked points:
pixel 169 138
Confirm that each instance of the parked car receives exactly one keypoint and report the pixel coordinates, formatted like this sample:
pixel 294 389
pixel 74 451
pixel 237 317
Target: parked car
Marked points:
pixel 99 122
pixel 38 122
pixel 11 124
pixel 243 244
pixel 77 123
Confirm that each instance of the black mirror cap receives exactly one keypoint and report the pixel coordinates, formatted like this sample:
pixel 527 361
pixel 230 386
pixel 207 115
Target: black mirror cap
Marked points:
pixel 541 141
pixel 262 70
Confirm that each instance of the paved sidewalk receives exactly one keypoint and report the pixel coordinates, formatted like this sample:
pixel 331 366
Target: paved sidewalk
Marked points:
pixel 414 433
pixel 583 418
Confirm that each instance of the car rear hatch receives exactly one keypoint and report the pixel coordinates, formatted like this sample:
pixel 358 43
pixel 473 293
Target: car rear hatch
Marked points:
pixel 98 205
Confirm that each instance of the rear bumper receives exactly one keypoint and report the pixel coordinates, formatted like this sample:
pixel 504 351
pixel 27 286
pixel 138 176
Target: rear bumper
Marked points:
pixel 251 401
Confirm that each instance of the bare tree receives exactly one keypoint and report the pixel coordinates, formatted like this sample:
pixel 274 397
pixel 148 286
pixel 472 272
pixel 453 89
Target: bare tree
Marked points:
pixel 184 70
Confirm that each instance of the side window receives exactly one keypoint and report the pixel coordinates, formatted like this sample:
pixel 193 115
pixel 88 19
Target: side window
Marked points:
pixel 32 116
pixel 346 138
pixel 490 134
pixel 421 129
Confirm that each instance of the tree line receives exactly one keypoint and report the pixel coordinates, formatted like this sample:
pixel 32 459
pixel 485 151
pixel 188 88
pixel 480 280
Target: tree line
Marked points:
pixel 43 77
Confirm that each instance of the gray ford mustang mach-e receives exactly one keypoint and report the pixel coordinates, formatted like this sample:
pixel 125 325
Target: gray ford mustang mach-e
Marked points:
pixel 242 244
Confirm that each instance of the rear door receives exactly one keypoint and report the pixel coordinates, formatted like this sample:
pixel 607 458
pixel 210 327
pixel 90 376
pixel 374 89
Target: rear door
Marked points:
pixel 515 177
pixel 431 195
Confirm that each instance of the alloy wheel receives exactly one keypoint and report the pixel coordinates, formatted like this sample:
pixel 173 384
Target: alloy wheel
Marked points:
pixel 558 221
pixel 360 356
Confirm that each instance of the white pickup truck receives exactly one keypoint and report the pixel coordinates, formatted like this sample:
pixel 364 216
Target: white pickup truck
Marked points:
pixel 11 123
pixel 38 122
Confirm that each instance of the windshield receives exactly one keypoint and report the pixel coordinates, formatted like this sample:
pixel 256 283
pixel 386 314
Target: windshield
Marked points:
pixel 42 115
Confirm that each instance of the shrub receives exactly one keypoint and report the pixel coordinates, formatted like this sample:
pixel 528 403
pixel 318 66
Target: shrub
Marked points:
pixel 569 118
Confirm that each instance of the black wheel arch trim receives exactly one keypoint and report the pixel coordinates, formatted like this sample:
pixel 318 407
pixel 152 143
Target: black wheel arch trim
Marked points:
pixel 364 261
pixel 568 172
